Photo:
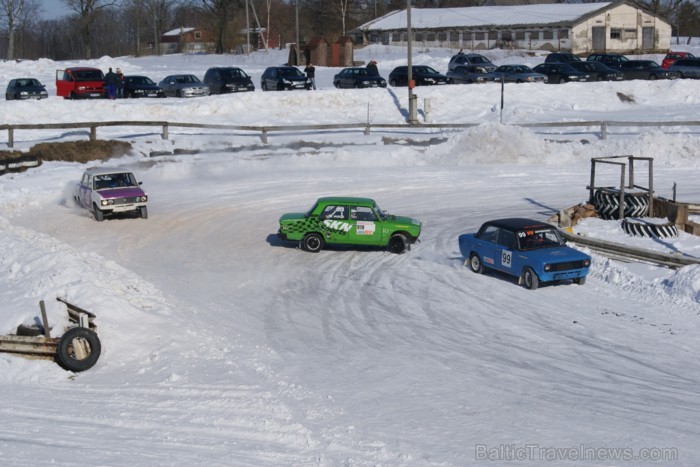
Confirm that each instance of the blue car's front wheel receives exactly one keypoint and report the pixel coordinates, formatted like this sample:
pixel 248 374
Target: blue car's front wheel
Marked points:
pixel 530 279
pixel 475 263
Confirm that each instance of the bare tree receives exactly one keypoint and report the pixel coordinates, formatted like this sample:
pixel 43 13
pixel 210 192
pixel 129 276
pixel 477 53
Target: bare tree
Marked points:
pixel 221 11
pixel 14 14
pixel 86 10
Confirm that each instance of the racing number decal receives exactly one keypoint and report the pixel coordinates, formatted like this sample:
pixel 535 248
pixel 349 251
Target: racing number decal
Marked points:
pixel 506 258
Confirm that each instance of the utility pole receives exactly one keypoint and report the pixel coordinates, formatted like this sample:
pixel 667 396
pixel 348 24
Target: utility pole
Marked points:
pixel 412 114
pixel 296 46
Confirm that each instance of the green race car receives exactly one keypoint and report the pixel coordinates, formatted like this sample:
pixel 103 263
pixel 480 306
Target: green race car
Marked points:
pixel 349 221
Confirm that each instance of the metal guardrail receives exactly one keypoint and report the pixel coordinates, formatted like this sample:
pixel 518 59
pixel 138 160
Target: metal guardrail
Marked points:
pixel 264 130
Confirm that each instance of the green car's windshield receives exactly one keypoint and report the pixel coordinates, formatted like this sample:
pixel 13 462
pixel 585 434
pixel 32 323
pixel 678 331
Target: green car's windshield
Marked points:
pixel 383 215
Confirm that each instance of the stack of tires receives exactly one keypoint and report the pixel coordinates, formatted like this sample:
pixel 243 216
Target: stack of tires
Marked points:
pixel 607 203
pixel 635 206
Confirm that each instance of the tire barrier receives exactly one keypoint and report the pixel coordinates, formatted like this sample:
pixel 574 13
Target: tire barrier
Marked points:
pixel 17 164
pixel 641 228
pixel 607 203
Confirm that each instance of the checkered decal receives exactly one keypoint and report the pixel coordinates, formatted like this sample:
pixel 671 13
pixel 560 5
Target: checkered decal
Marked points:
pixel 311 224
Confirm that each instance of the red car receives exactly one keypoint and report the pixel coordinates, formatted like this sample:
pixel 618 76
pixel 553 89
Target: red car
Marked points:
pixel 671 57
pixel 80 83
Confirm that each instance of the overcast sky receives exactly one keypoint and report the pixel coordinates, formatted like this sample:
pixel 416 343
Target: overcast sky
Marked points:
pixel 53 9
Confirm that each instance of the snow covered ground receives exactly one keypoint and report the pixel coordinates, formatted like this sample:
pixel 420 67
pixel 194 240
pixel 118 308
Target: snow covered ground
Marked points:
pixel 225 346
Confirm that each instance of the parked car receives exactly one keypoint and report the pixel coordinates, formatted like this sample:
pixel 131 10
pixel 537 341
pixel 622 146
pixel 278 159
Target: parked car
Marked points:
pixel 598 71
pixel 611 60
pixel 284 78
pixel 183 86
pixel 468 74
pixel 25 88
pixel 349 221
pixel 106 191
pixel 671 58
pixel 560 73
pixel 223 80
pixel 645 69
pixel 422 75
pixel 470 59
pixel 518 74
pixel 686 67
pixel 357 77
pixel 532 251
pixel 80 83
pixel 141 86
pixel 561 57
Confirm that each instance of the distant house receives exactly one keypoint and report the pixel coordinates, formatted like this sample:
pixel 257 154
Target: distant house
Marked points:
pixel 186 41
pixel 579 28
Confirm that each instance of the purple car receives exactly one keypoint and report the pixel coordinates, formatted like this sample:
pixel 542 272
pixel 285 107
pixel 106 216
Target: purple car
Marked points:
pixel 105 191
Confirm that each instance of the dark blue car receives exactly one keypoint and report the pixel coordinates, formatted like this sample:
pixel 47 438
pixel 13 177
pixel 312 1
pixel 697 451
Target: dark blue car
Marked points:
pixel 532 251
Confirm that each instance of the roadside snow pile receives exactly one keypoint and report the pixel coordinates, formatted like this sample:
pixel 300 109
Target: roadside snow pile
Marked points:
pixel 685 282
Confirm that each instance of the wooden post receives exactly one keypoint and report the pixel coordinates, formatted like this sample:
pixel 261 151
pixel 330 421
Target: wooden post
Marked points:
pixel 591 188
pixel 651 188
pixel 631 161
pixel 93 133
pixel 164 135
pixel 622 192
pixel 264 135
pixel 604 130
pixel 44 319
pixel 10 137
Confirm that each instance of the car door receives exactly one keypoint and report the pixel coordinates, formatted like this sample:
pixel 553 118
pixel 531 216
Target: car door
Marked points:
pixel 504 252
pixel 346 79
pixel 335 224
pixel 366 226
pixel 85 191
pixel 486 244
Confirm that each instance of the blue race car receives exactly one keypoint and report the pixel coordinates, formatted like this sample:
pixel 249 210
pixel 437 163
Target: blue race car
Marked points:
pixel 530 250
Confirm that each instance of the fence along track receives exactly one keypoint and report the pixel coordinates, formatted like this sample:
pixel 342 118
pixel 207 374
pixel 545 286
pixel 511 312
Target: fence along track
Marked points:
pixel 367 127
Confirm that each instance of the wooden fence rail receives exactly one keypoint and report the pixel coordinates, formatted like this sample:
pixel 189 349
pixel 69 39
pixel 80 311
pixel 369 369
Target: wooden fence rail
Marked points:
pixel 264 130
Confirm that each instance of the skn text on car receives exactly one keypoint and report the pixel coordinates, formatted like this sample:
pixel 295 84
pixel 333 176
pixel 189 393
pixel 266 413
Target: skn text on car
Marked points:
pixel 349 221
pixel 422 75
pixel 357 77
pixel 183 86
pixel 106 191
pixel 284 78
pixel 25 88
pixel 224 80
pixel 141 86
pixel 532 251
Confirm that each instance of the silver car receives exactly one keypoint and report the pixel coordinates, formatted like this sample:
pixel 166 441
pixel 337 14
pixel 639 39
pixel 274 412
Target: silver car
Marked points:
pixel 183 86
pixel 686 67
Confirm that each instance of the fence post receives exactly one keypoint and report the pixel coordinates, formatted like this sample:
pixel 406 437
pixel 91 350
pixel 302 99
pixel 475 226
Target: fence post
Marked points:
pixel 604 130
pixel 264 136
pixel 164 135
pixel 10 137
pixel 93 133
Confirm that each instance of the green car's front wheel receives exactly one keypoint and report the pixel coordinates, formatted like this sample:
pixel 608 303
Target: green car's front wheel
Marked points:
pixel 312 242
pixel 398 243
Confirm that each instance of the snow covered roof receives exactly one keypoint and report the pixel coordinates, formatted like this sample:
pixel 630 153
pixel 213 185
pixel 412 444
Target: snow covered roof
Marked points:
pixel 178 31
pixel 441 18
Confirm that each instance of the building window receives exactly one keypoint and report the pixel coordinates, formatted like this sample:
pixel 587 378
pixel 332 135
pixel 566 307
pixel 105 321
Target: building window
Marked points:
pixel 615 33
pixel 419 37
pixel 442 36
pixel 396 37
pixel 563 34
pixel 520 36
pixel 478 36
pixel 198 35
pixel 547 35
pixel 629 34
pixel 493 35
pixel 430 37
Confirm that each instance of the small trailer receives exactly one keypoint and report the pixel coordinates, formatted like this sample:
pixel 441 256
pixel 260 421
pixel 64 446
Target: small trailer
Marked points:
pixel 76 350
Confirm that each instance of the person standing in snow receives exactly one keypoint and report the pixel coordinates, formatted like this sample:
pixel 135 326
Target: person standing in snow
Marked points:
pixel 111 84
pixel 372 69
pixel 310 71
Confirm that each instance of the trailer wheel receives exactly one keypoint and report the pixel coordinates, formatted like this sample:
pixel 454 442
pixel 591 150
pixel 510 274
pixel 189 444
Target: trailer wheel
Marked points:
pixel 641 228
pixel 78 349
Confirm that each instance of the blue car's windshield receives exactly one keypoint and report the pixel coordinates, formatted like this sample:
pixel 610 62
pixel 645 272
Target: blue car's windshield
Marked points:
pixel 539 238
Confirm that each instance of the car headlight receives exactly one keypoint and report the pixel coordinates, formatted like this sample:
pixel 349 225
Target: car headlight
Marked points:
pixel 138 91
pixel 23 93
pixel 143 198
pixel 106 202
pixel 547 267
pixel 286 81
pixel 429 80
pixel 586 263
pixel 365 83
pixel 81 88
